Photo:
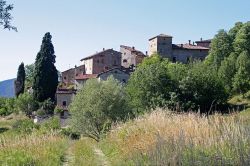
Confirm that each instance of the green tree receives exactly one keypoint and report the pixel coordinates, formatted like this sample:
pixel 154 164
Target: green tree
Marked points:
pixel 25 103
pixel 241 80
pixel 242 40
pixel 46 77
pixel 227 71
pixel 30 72
pixel 97 105
pixel 201 88
pixel 221 47
pixel 20 80
pixel 233 31
pixel 5 16
pixel 149 86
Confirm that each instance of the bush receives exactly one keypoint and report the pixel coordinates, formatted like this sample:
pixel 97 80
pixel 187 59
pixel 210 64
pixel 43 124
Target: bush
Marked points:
pixel 51 124
pixel 70 133
pixel 26 103
pixel 97 105
pixel 25 126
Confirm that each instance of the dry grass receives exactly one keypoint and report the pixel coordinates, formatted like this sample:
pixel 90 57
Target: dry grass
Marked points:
pixel 177 135
pixel 32 149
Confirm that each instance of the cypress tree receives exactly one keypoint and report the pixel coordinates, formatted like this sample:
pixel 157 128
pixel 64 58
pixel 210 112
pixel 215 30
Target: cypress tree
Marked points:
pixel 20 80
pixel 45 75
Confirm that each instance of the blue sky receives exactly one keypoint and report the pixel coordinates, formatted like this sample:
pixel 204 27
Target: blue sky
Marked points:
pixel 82 27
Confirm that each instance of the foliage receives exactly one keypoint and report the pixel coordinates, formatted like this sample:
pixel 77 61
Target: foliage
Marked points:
pixel 227 71
pixel 20 80
pixel 24 126
pixel 149 86
pixel 51 124
pixel 5 16
pixel 242 40
pixel 48 106
pixel 201 88
pixel 25 103
pixel 45 75
pixel 6 106
pixel 30 72
pixel 96 106
pixel 221 47
pixel 241 80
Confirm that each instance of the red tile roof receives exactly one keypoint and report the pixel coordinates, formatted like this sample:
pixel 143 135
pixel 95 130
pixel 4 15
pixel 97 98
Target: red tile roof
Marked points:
pixel 188 47
pixel 85 76
pixel 98 53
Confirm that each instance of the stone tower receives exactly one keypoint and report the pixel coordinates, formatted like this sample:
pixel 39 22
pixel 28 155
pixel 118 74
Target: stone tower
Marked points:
pixel 161 44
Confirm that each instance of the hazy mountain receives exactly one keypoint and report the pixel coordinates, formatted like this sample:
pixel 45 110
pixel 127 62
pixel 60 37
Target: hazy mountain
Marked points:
pixel 7 88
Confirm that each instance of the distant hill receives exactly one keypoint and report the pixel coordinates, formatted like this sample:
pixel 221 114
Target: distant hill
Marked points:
pixel 7 88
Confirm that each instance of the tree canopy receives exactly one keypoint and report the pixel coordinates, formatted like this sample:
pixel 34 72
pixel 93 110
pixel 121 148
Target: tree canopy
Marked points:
pixel 45 75
pixel 20 80
pixel 5 16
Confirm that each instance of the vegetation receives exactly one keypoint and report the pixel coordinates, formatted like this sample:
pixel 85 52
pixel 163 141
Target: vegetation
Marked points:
pixel 97 106
pixel 166 138
pixel 45 72
pixel 5 16
pixel 20 80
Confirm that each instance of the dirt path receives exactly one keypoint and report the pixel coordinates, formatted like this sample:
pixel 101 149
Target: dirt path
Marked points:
pixel 68 157
pixel 101 157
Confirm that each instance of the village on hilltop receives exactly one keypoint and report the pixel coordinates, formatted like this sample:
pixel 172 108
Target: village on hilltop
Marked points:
pixel 120 64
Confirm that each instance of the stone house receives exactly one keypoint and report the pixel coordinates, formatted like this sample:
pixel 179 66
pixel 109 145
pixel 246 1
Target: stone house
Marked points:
pixel 130 56
pixel 64 97
pixel 162 44
pixel 101 61
pixel 68 76
pixel 204 43
pixel 118 74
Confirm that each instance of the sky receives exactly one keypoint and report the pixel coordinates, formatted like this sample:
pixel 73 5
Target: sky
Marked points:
pixel 82 27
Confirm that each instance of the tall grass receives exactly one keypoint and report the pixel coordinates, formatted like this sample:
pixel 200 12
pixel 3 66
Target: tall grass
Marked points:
pixel 165 138
pixel 34 149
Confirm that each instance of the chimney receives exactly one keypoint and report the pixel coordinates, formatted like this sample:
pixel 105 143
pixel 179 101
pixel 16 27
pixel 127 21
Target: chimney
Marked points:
pixel 146 53
pixel 193 43
pixel 189 42
pixel 133 48
pixel 181 45
pixel 201 39
pixel 103 49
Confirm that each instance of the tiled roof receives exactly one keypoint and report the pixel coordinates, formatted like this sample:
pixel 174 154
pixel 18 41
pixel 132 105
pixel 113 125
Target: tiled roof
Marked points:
pixel 161 35
pixel 188 47
pixel 91 56
pixel 133 50
pixel 85 76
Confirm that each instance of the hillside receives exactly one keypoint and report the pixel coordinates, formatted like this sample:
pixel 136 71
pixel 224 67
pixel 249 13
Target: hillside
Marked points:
pixel 7 88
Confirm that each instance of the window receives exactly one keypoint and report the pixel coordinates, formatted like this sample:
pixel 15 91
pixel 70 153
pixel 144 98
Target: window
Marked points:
pixel 188 59
pixel 97 61
pixel 174 59
pixel 125 60
pixel 123 80
pixel 65 78
pixel 102 61
pixel 114 62
pixel 64 103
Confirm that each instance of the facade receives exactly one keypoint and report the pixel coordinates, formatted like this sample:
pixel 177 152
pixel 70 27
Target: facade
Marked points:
pixel 64 97
pixel 68 76
pixel 102 61
pixel 117 73
pixel 81 79
pixel 204 43
pixel 130 56
pixel 162 44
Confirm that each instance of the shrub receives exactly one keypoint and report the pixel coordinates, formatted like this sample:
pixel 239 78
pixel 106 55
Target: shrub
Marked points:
pixel 97 105
pixel 25 103
pixel 25 126
pixel 51 124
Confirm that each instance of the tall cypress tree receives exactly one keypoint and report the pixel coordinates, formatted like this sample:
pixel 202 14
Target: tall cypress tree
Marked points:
pixel 45 75
pixel 20 80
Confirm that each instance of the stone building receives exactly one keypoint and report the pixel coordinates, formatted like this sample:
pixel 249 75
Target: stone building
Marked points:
pixel 68 76
pixel 117 73
pixel 64 97
pixel 101 61
pixel 162 44
pixel 130 56
pixel 204 43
